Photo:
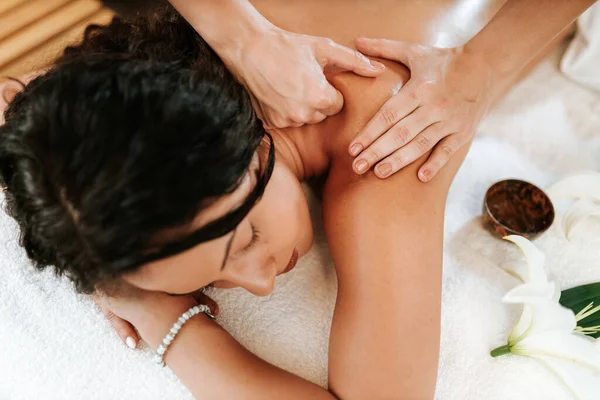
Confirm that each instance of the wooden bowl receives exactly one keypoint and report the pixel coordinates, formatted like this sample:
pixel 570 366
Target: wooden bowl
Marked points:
pixel 514 207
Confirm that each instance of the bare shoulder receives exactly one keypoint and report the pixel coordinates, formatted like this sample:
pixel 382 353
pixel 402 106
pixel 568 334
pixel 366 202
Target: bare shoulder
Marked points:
pixel 363 97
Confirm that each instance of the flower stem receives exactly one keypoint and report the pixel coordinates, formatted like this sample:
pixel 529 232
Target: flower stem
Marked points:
pixel 500 351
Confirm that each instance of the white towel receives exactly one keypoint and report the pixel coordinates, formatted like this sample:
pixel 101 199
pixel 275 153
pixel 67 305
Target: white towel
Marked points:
pixel 57 345
pixel 581 61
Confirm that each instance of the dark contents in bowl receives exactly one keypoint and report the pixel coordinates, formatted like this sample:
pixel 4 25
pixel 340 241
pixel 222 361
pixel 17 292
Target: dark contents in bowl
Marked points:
pixel 517 207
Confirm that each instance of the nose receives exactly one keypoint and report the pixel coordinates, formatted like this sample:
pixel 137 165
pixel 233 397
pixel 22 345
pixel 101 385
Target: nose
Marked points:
pixel 257 278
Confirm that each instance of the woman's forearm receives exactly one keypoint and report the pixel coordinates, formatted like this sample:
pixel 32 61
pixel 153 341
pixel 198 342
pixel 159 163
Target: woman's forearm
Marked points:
pixel 521 30
pixel 224 24
pixel 213 365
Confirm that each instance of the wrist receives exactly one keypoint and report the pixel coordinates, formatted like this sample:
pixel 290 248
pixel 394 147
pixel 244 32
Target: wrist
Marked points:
pixel 499 74
pixel 159 319
pixel 231 49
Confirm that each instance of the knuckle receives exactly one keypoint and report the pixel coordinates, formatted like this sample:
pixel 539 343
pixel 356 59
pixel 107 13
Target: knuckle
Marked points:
pixel 360 59
pixel 299 115
pixel 423 143
pixel 447 150
pixel 397 160
pixel 321 101
pixel 402 134
pixel 111 317
pixel 328 42
pixel 388 116
pixel 372 154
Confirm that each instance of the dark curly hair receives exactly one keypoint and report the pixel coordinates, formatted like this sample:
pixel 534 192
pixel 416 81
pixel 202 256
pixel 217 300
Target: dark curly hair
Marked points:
pixel 132 132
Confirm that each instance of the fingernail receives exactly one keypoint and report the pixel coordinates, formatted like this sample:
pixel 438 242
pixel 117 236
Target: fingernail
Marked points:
pixel 131 342
pixel 377 65
pixel 355 149
pixel 361 166
pixel 425 175
pixel 384 169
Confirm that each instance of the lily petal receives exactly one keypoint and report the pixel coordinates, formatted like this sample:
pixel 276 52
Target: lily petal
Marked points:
pixel 584 385
pixel 581 210
pixel 574 358
pixel 582 185
pixel 534 272
pixel 522 327
pixel 542 317
pixel 531 293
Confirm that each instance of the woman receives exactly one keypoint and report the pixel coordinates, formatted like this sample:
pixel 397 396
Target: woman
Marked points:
pixel 135 167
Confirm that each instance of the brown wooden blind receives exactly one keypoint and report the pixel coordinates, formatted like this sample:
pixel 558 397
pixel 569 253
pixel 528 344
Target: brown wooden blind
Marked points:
pixel 34 32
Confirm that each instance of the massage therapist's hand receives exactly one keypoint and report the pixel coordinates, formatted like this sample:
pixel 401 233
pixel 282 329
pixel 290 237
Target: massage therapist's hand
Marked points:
pixel 439 108
pixel 145 310
pixel 284 73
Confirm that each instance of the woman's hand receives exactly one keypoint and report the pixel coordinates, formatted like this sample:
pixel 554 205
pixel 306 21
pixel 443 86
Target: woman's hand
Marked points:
pixel 8 90
pixel 138 308
pixel 439 108
pixel 284 73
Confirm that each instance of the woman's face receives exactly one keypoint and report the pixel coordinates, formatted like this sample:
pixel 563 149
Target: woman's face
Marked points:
pixel 265 244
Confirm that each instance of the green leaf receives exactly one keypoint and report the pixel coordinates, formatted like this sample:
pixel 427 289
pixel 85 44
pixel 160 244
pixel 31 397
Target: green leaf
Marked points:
pixel 578 298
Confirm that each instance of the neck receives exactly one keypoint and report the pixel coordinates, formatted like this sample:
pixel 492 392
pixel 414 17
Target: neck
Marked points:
pixel 303 150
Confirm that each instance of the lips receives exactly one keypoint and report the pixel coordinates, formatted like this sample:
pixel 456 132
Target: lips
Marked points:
pixel 292 263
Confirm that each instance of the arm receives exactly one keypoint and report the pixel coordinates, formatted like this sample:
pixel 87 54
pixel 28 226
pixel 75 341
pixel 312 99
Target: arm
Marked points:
pixel 212 365
pixel 386 241
pixel 519 32
pixel 207 360
pixel 225 24
pixel 451 89
pixel 263 57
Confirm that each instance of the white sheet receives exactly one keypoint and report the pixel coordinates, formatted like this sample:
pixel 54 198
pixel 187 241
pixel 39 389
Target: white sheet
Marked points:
pixel 56 345
pixel 581 61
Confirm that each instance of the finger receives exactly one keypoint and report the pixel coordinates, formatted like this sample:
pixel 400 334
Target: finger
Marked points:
pixel 123 328
pixel 332 103
pixel 273 119
pixel 390 49
pixel 420 145
pixel 441 154
pixel 201 298
pixel 331 54
pixel 316 118
pixel 394 110
pixel 398 136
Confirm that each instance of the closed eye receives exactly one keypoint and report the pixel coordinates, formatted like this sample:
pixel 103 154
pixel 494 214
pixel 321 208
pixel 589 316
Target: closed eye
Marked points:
pixel 254 240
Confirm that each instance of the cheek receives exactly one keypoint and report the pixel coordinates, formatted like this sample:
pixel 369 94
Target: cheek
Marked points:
pixel 182 273
pixel 285 210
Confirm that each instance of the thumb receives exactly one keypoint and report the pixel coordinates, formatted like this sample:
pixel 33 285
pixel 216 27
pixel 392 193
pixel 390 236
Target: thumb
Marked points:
pixel 335 101
pixel 341 57
pixel 389 49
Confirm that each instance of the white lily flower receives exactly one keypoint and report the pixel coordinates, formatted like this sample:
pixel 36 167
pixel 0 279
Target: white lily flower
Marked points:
pixel 582 209
pixel 545 330
pixel 578 186
pixel 585 189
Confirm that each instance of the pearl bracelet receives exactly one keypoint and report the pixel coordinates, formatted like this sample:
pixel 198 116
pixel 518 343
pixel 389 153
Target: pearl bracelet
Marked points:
pixel 162 349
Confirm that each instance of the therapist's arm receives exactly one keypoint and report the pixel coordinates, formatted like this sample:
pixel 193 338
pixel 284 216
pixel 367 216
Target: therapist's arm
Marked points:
pixel 283 71
pixel 451 89
pixel 519 32
pixel 225 24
